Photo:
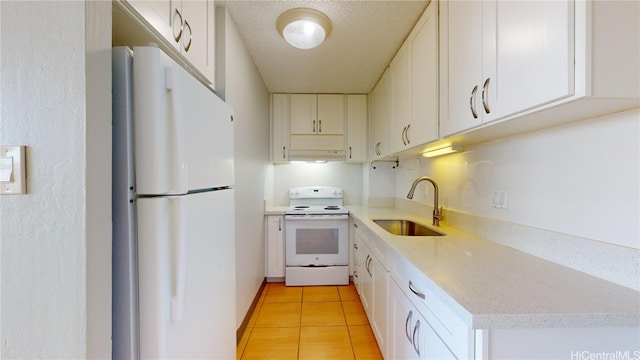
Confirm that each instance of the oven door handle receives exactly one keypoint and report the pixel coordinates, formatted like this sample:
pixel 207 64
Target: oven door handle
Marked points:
pixel 315 217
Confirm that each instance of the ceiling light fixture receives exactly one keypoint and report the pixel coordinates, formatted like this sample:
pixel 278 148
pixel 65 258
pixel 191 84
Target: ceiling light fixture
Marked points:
pixel 304 28
pixel 443 151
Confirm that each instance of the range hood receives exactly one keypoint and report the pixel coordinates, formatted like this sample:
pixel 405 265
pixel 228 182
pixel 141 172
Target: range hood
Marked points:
pixel 317 148
pixel 317 155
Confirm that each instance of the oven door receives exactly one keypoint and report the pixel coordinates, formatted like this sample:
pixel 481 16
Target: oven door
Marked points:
pixel 316 240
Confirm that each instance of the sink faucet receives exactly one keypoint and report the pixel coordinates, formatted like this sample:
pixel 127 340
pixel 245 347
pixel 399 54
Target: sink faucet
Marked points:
pixel 437 212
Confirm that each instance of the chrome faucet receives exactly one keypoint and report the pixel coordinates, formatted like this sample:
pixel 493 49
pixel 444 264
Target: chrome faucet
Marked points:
pixel 437 212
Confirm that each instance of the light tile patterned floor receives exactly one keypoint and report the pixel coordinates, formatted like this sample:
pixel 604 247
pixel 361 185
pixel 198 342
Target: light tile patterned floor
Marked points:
pixel 311 322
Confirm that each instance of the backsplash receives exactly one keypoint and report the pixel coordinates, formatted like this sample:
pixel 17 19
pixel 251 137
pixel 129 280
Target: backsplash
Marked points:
pixel 285 176
pixel 579 179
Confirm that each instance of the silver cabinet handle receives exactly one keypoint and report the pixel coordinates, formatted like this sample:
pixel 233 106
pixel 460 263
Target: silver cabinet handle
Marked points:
pixel 355 225
pixel 416 344
pixel 179 35
pixel 355 246
pixel 472 102
pixel 186 48
pixel 407 132
pixel 350 153
pixel 314 126
pixel 406 325
pixel 485 96
pixel 404 132
pixel 378 148
pixel 280 224
pixel 284 156
pixel 415 291
pixel 319 126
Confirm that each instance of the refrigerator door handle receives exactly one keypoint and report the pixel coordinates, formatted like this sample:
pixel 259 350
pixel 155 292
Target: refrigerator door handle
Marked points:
pixel 179 242
pixel 175 104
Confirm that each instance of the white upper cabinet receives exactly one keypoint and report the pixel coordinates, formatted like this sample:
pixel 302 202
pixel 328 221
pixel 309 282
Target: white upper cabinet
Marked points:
pixel 356 150
pixel 528 56
pixel 464 49
pixel 380 118
pixel 197 41
pixel 423 42
pixel 313 114
pixel 280 128
pixel 414 85
pixel 506 60
pixel 182 28
pixel 505 57
pixel 400 99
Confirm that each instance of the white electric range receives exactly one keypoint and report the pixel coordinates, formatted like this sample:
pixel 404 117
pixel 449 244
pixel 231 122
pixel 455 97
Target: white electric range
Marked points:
pixel 316 237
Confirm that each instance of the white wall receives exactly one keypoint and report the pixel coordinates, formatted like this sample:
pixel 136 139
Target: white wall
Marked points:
pixel 246 93
pixel 347 176
pixel 55 241
pixel 580 179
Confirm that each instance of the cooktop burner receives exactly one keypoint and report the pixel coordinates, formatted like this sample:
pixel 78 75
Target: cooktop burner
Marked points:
pixel 316 210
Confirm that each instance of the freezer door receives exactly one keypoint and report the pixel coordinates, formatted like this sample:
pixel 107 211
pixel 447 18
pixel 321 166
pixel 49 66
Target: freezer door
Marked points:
pixel 186 260
pixel 183 131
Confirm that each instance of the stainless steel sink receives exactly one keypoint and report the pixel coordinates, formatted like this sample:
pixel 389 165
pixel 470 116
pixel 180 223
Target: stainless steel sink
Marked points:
pixel 407 228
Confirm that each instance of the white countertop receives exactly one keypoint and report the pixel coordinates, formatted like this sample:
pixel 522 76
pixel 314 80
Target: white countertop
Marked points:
pixel 493 286
pixel 276 210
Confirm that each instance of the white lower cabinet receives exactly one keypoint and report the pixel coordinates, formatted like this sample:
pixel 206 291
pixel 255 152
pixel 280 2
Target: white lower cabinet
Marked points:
pixel 370 277
pixel 413 318
pixel 275 246
pixel 410 335
pixel 440 334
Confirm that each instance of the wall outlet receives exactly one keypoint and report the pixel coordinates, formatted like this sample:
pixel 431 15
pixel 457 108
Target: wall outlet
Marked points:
pixel 500 199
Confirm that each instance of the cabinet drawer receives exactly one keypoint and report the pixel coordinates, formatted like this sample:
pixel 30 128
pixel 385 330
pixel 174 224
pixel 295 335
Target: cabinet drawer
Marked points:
pixel 421 291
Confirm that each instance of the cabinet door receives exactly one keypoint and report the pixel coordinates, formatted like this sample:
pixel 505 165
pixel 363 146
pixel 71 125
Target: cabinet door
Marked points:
pixel 275 246
pixel 380 117
pixel 528 54
pixel 402 319
pixel 159 14
pixel 462 22
pixel 356 128
pixel 379 297
pixel 357 261
pixel 197 42
pixel 280 128
pixel 400 100
pixel 304 114
pixel 366 280
pixel 330 114
pixel 424 78
pixel 410 335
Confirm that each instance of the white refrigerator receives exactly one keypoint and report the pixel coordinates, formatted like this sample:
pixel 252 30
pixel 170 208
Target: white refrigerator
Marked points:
pixel 173 212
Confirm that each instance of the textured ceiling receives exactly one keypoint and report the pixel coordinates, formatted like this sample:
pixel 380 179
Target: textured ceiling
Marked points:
pixel 365 36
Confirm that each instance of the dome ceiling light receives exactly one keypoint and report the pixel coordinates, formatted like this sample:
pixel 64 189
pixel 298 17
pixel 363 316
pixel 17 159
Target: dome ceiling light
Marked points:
pixel 304 28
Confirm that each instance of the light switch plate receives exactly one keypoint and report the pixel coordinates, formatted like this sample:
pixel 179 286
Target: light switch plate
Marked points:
pixel 13 169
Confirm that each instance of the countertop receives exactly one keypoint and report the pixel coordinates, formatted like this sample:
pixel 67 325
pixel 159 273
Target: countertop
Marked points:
pixel 489 285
